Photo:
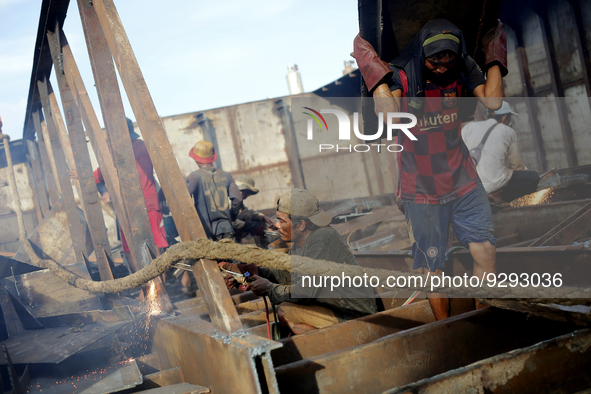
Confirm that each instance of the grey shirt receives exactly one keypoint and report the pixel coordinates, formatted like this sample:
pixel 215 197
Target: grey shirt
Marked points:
pixel 324 243
pixel 213 190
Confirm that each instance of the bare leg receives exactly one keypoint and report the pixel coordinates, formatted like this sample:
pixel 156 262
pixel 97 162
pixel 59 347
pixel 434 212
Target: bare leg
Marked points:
pixel 439 301
pixel 484 255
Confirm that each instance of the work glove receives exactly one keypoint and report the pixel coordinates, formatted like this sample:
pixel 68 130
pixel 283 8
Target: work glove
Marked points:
pixel 372 68
pixel 494 46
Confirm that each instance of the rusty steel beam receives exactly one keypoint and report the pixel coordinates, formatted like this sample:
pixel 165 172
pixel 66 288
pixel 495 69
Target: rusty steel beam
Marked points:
pixel 573 262
pixel 416 354
pixel 547 309
pixel 558 365
pixel 569 230
pixel 352 333
pixel 169 174
pixel 381 238
pixel 206 356
pixel 291 144
pixel 81 162
pixel 531 105
pixel 583 50
pixel 533 221
pixel 558 90
pixel 210 135
pixel 385 214
pixel 77 230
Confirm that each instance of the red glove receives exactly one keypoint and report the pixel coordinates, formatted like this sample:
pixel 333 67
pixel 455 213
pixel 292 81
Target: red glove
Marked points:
pixel 494 45
pixel 260 231
pixel 372 68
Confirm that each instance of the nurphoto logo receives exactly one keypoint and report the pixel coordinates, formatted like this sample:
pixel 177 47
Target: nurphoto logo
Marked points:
pixel 344 131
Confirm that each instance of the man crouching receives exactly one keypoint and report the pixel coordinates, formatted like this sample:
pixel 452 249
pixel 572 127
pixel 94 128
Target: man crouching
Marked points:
pixel 301 222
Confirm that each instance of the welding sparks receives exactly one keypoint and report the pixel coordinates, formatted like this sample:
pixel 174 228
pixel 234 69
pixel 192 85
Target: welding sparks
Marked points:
pixel 152 301
pixel 540 197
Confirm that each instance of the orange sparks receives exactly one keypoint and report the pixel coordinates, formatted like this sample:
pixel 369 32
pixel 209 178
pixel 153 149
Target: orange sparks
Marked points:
pixel 152 300
pixel 540 197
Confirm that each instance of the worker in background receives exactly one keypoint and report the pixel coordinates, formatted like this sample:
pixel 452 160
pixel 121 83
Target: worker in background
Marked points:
pixel 503 174
pixel 249 221
pixel 301 221
pixel 147 182
pixel 438 182
pixel 216 196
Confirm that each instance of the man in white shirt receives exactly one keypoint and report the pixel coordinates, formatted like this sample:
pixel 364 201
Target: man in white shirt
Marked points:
pixel 503 174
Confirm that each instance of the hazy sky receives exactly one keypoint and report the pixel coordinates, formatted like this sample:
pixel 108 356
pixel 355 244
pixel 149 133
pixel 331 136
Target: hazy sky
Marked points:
pixel 194 54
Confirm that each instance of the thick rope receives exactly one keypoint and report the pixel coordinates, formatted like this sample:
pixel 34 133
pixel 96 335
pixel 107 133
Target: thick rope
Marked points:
pixel 224 251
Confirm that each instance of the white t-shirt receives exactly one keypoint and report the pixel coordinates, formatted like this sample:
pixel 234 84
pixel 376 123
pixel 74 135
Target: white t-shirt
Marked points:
pixel 500 155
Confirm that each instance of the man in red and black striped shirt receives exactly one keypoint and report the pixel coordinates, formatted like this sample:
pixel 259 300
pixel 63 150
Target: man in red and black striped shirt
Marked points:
pixel 438 182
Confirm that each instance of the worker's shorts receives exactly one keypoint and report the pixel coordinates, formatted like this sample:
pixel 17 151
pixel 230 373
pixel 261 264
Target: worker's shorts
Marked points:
pixel 313 315
pixel 428 226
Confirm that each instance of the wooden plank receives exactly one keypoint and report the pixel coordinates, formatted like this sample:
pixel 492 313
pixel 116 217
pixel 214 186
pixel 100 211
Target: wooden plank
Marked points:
pixel 81 162
pixel 222 311
pixel 53 185
pixel 558 365
pixel 38 175
pixel 172 182
pixel 60 127
pixel 96 136
pixel 77 230
pixel 34 191
pixel 130 196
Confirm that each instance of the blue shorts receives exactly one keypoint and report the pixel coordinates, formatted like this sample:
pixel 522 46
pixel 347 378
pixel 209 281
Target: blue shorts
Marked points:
pixel 428 226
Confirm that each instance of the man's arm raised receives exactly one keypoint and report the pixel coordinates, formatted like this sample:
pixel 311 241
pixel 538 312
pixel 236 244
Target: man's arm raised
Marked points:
pixel 374 71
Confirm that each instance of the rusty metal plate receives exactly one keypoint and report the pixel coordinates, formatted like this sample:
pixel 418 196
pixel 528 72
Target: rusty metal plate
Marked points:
pixel 51 238
pixel 44 294
pixel 105 380
pixel 54 345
